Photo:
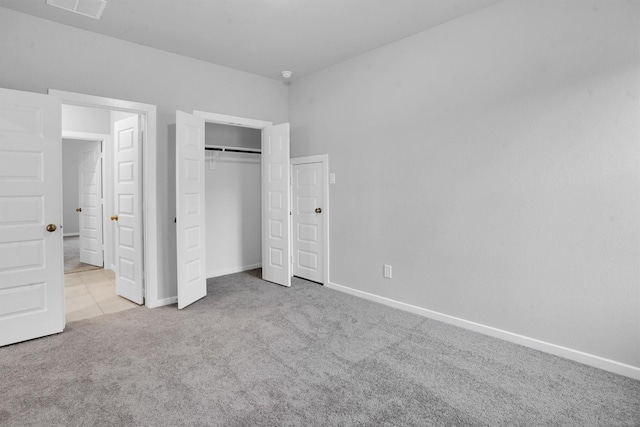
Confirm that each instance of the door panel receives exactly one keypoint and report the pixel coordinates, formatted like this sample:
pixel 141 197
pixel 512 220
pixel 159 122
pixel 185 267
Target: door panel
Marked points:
pixel 31 258
pixel 127 218
pixel 276 249
pixel 308 225
pixel 90 180
pixel 190 205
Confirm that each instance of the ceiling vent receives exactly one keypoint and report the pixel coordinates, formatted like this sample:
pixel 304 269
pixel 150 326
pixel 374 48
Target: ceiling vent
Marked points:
pixel 91 8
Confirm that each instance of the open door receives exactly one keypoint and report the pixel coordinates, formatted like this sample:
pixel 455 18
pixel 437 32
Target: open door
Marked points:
pixel 127 218
pixel 276 189
pixel 190 215
pixel 90 183
pixel 31 255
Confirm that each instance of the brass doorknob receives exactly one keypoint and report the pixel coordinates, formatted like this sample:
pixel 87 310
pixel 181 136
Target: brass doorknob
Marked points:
pixel 318 210
pixel 114 218
pixel 78 209
pixel 51 228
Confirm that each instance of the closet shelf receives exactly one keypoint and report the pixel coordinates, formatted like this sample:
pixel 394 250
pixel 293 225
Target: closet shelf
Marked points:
pixel 232 149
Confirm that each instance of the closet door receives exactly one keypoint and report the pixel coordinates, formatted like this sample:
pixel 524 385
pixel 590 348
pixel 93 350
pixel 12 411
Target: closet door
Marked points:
pixel 190 216
pixel 276 189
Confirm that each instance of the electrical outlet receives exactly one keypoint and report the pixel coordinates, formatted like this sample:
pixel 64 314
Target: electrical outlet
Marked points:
pixel 332 178
pixel 387 271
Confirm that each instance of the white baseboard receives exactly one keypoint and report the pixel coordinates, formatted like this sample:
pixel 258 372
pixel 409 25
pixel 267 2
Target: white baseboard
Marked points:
pixel 162 301
pixel 70 234
pixel 567 353
pixel 232 270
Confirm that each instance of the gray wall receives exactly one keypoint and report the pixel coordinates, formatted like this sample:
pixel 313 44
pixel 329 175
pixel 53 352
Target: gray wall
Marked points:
pixel 38 55
pixel 493 161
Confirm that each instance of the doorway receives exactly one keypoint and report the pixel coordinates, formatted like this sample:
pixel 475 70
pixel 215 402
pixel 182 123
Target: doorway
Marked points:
pixel 149 248
pixel 93 170
pixel 190 201
pixel 232 199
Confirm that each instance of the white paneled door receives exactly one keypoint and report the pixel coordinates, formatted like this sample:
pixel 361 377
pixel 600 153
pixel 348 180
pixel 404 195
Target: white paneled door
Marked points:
pixel 90 211
pixel 190 215
pixel 308 220
pixel 31 256
pixel 276 246
pixel 127 218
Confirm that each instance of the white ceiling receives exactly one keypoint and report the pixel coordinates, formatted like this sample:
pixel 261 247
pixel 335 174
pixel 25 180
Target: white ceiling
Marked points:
pixel 262 36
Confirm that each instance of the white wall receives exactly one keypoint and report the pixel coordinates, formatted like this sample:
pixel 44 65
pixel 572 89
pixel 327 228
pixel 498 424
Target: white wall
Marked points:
pixel 38 55
pixel 233 201
pixel 233 213
pixel 493 162
pixel 70 185
pixel 85 119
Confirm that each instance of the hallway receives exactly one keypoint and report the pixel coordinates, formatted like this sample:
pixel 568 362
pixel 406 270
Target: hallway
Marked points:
pixel 92 293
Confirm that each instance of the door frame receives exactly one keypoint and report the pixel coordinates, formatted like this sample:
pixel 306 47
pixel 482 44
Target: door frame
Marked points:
pixel 324 159
pixel 147 113
pixel 107 176
pixel 224 119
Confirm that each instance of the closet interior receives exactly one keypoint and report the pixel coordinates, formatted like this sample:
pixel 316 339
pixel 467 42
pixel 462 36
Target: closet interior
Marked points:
pixel 233 199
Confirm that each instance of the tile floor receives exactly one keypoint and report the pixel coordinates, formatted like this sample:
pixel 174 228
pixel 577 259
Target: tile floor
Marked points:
pixel 92 293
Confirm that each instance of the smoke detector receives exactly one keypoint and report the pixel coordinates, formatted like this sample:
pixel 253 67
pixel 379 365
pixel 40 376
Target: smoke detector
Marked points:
pixel 91 8
pixel 287 74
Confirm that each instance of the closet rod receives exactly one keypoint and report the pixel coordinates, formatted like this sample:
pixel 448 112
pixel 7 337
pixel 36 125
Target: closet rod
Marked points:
pixel 232 149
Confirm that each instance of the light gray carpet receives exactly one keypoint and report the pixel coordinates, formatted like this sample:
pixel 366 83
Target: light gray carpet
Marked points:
pixel 253 353
pixel 72 262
